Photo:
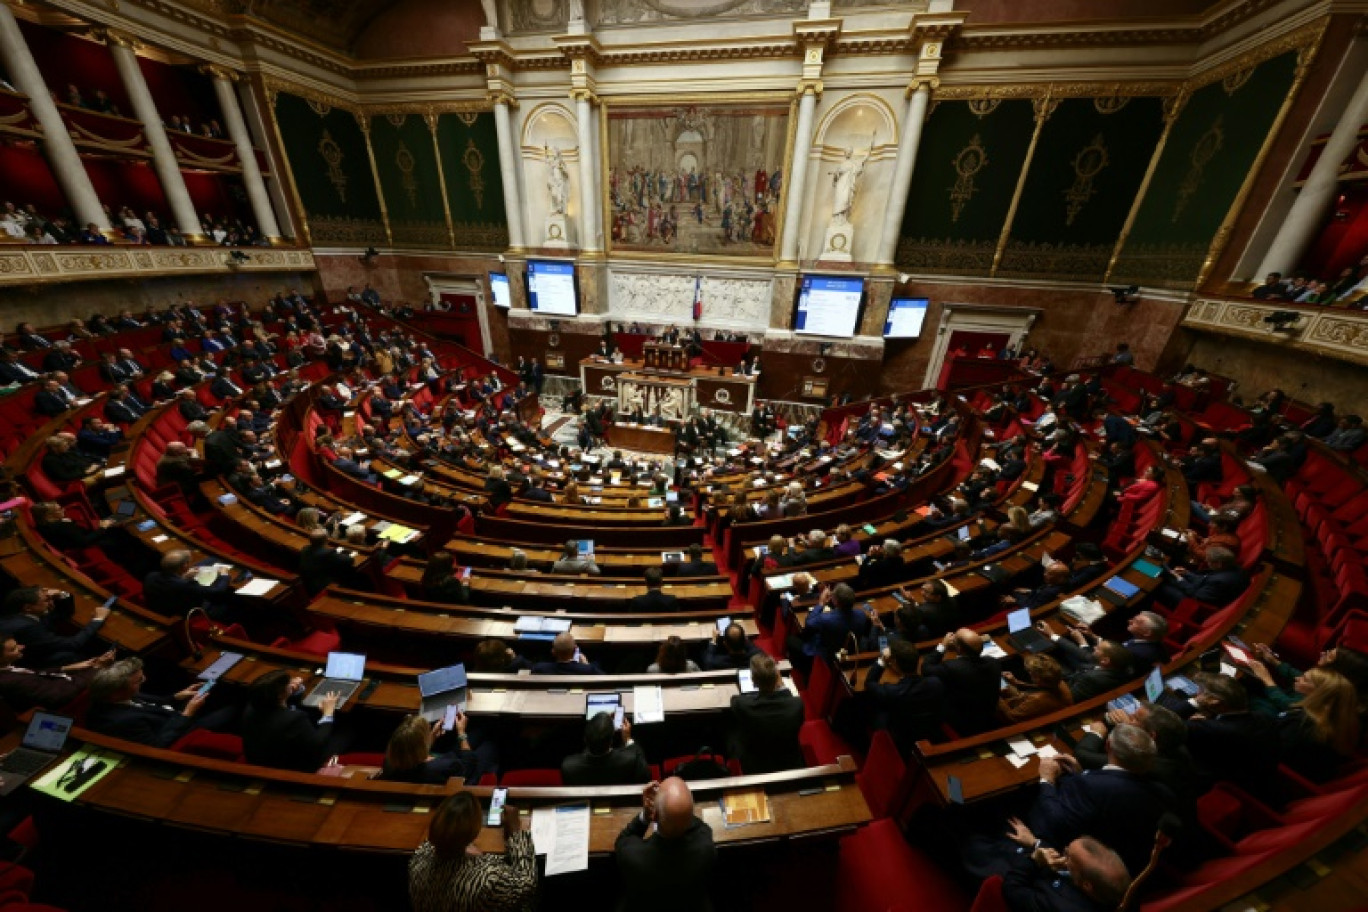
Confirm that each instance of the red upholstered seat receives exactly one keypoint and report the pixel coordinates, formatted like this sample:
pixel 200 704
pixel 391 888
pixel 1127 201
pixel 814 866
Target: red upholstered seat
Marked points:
pixel 215 745
pixel 883 779
pixel 361 758
pixel 990 897
pixel 879 872
pixel 545 778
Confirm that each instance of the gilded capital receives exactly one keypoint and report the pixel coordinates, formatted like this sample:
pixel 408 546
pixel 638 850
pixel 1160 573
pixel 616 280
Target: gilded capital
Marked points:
pixel 810 87
pixel 929 83
pixel 115 37
pixel 214 71
pixel 502 97
pixel 584 95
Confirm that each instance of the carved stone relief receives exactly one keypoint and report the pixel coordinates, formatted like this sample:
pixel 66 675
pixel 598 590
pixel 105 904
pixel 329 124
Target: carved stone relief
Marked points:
pixel 669 299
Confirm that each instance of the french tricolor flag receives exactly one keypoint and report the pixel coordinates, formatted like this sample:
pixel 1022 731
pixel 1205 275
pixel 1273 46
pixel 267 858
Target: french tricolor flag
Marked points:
pixel 698 298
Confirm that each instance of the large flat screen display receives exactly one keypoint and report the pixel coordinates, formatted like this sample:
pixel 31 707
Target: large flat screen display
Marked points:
pixel 551 288
pixel 828 306
pixel 498 284
pixel 905 318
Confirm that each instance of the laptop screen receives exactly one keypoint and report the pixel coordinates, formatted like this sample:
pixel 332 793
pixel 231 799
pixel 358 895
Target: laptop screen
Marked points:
pixel 47 732
pixel 963 533
pixel 1018 620
pixel 347 666
pixel 443 680
pixel 1154 685
pixel 586 547
pixel 601 702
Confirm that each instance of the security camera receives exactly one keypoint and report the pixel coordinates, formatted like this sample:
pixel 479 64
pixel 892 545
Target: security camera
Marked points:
pixel 1126 295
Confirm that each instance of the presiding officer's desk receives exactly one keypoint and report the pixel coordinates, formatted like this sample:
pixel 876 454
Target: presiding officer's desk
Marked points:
pixel 365 815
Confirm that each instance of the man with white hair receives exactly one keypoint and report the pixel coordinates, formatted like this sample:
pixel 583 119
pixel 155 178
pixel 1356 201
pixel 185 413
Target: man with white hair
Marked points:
pixel 670 868
pixel 1085 876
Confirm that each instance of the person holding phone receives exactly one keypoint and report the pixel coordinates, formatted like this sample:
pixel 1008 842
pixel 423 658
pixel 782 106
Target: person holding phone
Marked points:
pixel 449 874
pixel 410 757
pixel 602 763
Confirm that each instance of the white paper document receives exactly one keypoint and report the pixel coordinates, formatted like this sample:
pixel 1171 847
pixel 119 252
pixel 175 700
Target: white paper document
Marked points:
pixel 568 848
pixel 648 702
pixel 257 586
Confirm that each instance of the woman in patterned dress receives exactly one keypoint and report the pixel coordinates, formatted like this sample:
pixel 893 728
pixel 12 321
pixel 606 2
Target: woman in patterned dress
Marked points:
pixel 449 874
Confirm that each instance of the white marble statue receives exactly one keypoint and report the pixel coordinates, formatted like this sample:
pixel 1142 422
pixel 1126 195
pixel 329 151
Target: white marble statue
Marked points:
pixel 576 10
pixel 557 181
pixel 672 404
pixel 491 13
pixel 847 181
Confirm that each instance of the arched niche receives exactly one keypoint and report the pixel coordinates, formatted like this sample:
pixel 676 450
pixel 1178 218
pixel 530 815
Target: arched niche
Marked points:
pixel 863 124
pixel 545 127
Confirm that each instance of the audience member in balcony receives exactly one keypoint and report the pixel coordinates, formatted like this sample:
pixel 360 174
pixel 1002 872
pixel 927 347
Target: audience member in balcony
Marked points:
pixel 73 96
pixel 53 399
pixel 35 233
pixel 972 680
pixel 29 338
pixel 1227 741
pixel 61 357
pixel 1277 459
pixel 1348 435
pixel 92 235
pixel 130 219
pixel 13 225
pixel 1273 288
pixel 1203 463
pixel 135 236
pixel 12 370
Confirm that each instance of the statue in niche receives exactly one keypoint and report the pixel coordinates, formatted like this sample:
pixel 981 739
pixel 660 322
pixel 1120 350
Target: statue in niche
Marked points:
pixel 672 404
pixel 557 181
pixel 847 181
pixel 576 10
pixel 491 13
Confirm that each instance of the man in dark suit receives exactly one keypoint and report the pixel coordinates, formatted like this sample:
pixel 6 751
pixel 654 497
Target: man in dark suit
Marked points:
pixel 671 869
pixel 1145 644
pixel 119 709
pixel 653 600
pixel 566 659
pixel 61 358
pixel 1221 584
pixel 221 451
pixel 937 613
pixel 122 407
pixel 274 733
pixel 1203 464
pixel 1110 667
pixel 536 492
pixel 765 724
pixel 321 565
pixel 816 550
pixel 224 388
pixel 971 679
pixel 174 590
pixel 34 617
pixel 1228 742
pixel 1172 768
pixel 883 566
pixel 51 400
pixel 600 763
pixel 12 370
pixel 22 688
pixel 910 707
pixel 63 463
pixel 1089 563
pixel 1086 877
pixel 695 565
pixel 733 650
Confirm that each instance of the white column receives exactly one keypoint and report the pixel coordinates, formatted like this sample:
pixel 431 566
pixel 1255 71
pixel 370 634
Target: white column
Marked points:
pixel 1304 219
pixel 257 194
pixel 913 121
pixel 61 153
pixel 163 156
pixel 797 178
pixel 508 174
pixel 589 206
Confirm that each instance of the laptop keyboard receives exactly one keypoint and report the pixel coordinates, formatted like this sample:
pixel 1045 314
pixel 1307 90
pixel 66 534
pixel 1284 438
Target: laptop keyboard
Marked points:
pixel 23 762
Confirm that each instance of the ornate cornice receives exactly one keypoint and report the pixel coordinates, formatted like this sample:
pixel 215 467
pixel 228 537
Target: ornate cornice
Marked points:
pixel 1116 34
pixel 1306 40
pixel 429 109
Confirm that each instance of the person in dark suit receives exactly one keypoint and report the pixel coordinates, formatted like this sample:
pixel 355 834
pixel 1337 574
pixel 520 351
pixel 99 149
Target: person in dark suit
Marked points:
pixel 282 736
pixel 566 659
pixel 62 463
pixel 409 756
pixel 122 407
pixel 34 617
pixel 1221 584
pixel 23 688
pixel 65 534
pixel 972 681
pixel 1145 644
pixel 536 491
pixel 830 624
pixel 321 565
pixel 1172 763
pixel 119 709
pixel 497 488
pixel 732 650
pixel 174 590
pixel 695 565
pixel 1086 877
pixel 910 707
pixel 51 400
pixel 1088 564
pixel 1228 742
pixel 440 582
pixel 765 724
pixel 653 600
pixel 671 869
pixel 937 613
pixel 61 358
pixel 1105 667
pixel 600 763
pixel 12 370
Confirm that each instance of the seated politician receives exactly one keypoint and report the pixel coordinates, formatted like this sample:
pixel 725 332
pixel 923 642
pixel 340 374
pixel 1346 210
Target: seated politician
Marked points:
pixel 602 763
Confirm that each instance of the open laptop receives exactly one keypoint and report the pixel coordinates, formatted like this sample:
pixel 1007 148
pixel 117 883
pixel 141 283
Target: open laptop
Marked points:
pixel 1022 634
pixel 586 548
pixel 43 742
pixel 440 689
pixel 342 676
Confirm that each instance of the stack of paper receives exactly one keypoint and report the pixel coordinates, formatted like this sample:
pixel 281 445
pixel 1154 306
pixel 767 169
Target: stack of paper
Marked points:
pixel 562 835
pixel 648 702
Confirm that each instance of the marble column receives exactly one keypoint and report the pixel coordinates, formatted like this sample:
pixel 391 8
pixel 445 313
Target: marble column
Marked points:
pixel 797 178
pixel 590 237
pixel 163 156
pixel 61 152
pixel 508 174
pixel 1307 214
pixel 913 120
pixel 257 195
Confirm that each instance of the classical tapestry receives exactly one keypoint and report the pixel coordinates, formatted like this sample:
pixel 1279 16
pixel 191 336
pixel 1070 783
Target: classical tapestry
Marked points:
pixel 696 180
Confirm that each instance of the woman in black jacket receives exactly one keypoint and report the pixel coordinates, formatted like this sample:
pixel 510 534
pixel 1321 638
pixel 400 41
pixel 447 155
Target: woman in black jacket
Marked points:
pixel 409 756
pixel 1319 734
pixel 440 583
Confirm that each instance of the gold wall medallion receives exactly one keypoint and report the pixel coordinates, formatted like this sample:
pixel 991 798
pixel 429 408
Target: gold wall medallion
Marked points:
pixel 982 107
pixel 403 159
pixel 473 159
pixel 321 108
pixel 1087 164
pixel 972 159
pixel 332 154
pixel 1202 154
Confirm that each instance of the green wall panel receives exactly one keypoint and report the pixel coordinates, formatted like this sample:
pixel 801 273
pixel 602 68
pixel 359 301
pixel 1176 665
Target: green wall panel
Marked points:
pixel 1214 143
pixel 328 160
pixel 407 164
pixel 470 160
pixel 1087 167
pixel 967 169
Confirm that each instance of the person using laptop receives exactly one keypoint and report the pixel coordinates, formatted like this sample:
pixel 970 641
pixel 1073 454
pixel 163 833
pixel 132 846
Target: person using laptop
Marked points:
pixel 24 688
pixel 275 733
pixel 1042 692
pixel 566 659
pixel 34 616
pixel 571 561
pixel 120 709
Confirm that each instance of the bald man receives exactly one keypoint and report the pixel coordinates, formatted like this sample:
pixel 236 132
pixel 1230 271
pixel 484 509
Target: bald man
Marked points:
pixel 1096 879
pixel 669 871
pixel 971 679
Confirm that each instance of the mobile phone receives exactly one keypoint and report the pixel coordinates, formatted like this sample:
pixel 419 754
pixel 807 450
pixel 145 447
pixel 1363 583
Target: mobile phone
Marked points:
pixel 449 718
pixel 496 805
pixel 465 574
pixel 206 687
pixel 110 602
pixel 883 644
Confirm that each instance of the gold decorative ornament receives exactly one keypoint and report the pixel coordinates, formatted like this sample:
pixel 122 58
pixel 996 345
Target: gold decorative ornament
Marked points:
pixel 1111 104
pixel 1236 80
pixel 1087 164
pixel 1202 154
pixel 396 119
pixel 972 159
pixel 321 108
pixel 982 107
pixel 403 159
pixel 473 159
pixel 333 155
pixel 468 117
